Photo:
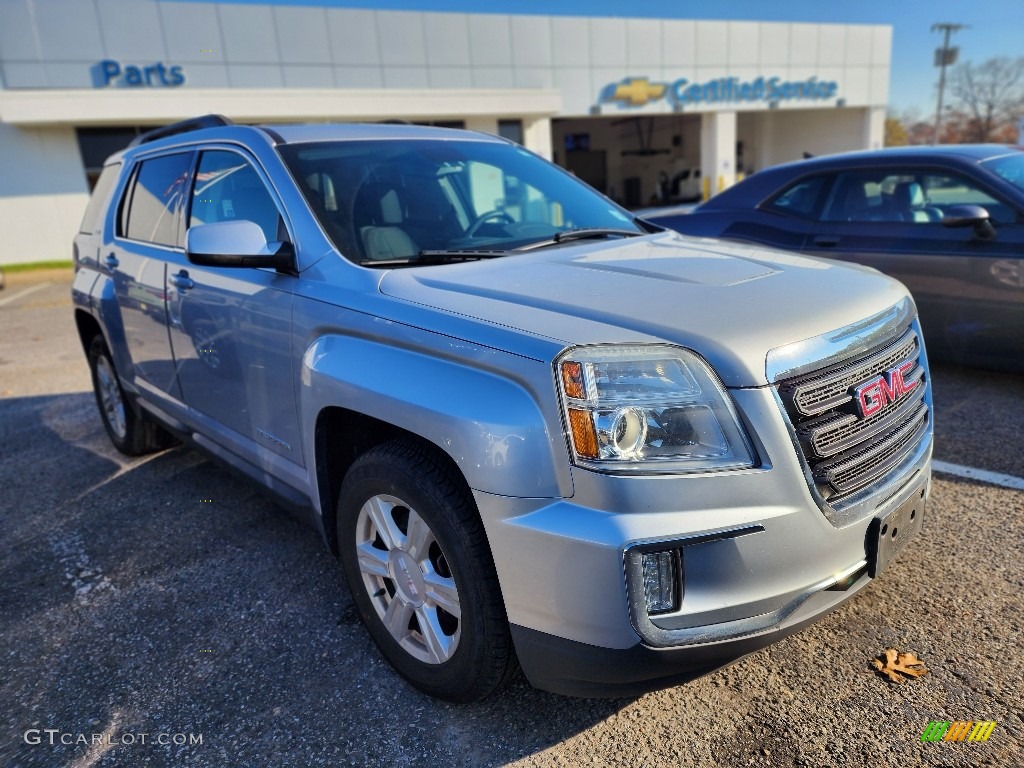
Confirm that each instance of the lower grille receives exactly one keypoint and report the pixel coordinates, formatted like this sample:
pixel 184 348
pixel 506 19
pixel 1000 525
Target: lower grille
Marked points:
pixel 859 419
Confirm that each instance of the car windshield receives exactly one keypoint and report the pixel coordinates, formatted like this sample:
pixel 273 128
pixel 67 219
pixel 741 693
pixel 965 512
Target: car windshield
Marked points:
pixel 418 201
pixel 1010 167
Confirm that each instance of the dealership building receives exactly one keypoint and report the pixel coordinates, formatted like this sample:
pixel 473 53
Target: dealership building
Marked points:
pixel 647 110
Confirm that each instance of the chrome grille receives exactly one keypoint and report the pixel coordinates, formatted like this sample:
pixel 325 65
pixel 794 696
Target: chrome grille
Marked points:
pixel 820 392
pixel 843 450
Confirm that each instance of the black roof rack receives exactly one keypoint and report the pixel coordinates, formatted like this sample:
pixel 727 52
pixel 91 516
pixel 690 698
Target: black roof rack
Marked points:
pixel 184 126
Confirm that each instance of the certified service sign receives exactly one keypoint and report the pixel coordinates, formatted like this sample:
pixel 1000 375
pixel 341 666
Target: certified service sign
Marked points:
pixel 638 91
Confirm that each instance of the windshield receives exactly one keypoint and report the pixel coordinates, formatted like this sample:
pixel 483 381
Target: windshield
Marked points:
pixel 1010 167
pixel 383 201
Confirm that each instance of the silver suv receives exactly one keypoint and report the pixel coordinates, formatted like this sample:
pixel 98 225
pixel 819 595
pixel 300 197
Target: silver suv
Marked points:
pixel 537 431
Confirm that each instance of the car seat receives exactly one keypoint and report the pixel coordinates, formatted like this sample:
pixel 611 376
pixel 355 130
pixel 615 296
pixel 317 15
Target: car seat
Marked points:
pixel 379 214
pixel 909 201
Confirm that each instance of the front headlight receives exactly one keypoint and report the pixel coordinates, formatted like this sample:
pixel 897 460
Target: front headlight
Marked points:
pixel 648 409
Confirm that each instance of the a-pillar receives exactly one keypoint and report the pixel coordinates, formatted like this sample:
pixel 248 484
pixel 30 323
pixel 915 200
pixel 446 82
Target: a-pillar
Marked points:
pixel 717 151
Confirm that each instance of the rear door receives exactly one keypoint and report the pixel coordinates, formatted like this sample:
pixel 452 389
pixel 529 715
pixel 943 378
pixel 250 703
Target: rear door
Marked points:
pixel 148 232
pixel 891 219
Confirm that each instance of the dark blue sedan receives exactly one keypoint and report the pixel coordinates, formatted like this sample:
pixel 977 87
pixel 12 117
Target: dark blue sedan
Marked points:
pixel 946 221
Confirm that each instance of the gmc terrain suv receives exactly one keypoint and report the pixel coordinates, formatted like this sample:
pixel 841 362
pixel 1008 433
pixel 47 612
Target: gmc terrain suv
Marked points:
pixel 537 431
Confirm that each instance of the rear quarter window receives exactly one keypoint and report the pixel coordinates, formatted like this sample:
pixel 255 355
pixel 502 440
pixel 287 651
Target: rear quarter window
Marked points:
pixel 800 199
pixel 92 221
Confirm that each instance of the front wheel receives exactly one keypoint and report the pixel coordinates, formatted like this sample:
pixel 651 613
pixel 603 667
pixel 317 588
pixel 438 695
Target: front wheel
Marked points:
pixel 131 433
pixel 421 573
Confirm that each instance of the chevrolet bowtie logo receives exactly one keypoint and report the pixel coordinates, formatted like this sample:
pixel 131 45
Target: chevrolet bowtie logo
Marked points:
pixel 638 91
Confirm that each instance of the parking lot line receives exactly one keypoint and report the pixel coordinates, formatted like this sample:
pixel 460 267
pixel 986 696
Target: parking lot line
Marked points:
pixel 14 297
pixel 993 478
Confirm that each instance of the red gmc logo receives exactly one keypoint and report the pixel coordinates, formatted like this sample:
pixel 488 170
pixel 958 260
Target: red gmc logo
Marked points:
pixel 888 387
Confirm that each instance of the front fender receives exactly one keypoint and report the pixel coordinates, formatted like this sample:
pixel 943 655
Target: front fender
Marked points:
pixel 491 426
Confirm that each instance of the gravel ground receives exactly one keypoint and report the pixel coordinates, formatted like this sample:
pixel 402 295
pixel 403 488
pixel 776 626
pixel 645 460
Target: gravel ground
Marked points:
pixel 166 596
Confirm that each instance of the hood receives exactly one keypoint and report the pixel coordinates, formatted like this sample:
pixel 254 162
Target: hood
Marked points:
pixel 730 303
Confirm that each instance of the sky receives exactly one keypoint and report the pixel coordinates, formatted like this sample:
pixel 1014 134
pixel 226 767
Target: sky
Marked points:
pixel 995 27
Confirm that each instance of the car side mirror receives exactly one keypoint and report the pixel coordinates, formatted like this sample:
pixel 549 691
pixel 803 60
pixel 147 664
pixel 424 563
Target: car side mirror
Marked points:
pixel 239 243
pixel 970 216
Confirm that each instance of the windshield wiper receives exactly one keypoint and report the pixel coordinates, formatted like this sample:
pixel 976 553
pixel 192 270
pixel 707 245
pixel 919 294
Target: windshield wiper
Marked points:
pixel 428 257
pixel 584 233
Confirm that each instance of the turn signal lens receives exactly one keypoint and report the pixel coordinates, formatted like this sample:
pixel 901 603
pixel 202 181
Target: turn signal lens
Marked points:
pixel 584 438
pixel 572 380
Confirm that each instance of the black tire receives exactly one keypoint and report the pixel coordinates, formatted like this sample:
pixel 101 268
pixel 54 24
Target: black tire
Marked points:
pixel 425 486
pixel 131 433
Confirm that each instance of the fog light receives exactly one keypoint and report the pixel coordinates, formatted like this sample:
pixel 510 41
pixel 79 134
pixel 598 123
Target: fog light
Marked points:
pixel 661 585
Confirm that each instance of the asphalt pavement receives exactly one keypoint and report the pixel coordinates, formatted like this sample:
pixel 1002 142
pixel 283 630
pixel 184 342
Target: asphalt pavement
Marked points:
pixel 163 612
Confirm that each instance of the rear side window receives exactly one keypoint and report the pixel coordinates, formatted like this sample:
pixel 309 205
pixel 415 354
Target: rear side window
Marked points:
pixel 157 195
pixel 91 221
pixel 801 199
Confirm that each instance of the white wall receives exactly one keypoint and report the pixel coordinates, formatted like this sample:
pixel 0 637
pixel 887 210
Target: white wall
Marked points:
pixel 43 193
pixel 49 44
pixel 784 135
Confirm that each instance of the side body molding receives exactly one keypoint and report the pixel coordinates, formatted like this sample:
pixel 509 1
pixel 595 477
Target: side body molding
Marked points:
pixel 491 426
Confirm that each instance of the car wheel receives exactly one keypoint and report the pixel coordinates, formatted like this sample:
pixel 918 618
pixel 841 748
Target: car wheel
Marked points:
pixel 131 434
pixel 421 573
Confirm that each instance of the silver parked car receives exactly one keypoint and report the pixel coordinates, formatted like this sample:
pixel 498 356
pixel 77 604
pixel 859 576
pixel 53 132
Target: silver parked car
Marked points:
pixel 537 431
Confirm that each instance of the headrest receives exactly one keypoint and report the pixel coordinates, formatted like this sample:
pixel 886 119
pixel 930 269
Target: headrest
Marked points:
pixel 381 204
pixel 908 194
pixel 391 208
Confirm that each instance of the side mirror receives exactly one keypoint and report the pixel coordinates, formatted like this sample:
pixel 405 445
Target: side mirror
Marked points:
pixel 970 216
pixel 238 243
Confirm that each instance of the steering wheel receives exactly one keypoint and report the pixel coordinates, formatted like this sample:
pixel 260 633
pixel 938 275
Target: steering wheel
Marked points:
pixel 479 221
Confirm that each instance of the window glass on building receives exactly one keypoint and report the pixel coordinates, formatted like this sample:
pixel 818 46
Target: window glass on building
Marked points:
pixel 511 130
pixel 157 197
pixel 97 144
pixel 228 188
pixel 459 124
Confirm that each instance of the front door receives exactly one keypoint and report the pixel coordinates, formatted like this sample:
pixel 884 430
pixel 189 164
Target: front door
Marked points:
pixel 969 290
pixel 230 328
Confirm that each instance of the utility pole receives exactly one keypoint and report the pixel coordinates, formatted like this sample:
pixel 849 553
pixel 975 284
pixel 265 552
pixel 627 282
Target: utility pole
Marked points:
pixel 944 56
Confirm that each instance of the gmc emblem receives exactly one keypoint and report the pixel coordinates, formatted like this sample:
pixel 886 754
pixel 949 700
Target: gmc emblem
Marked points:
pixel 888 387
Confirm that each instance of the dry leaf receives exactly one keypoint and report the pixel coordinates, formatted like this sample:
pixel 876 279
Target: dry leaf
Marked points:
pixel 907 663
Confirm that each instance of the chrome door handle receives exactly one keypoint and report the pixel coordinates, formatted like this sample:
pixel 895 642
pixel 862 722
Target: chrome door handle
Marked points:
pixel 111 261
pixel 182 281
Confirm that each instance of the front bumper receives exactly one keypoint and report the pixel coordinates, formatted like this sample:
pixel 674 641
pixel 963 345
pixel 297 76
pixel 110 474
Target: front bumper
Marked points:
pixel 572 668
pixel 759 561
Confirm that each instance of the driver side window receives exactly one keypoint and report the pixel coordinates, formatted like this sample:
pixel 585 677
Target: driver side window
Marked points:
pixel 944 190
pixel 228 188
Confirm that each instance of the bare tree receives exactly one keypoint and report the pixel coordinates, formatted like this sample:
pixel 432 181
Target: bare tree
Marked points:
pixel 990 94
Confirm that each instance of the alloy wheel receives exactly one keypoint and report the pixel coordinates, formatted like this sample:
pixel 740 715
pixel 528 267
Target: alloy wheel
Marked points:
pixel 408 579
